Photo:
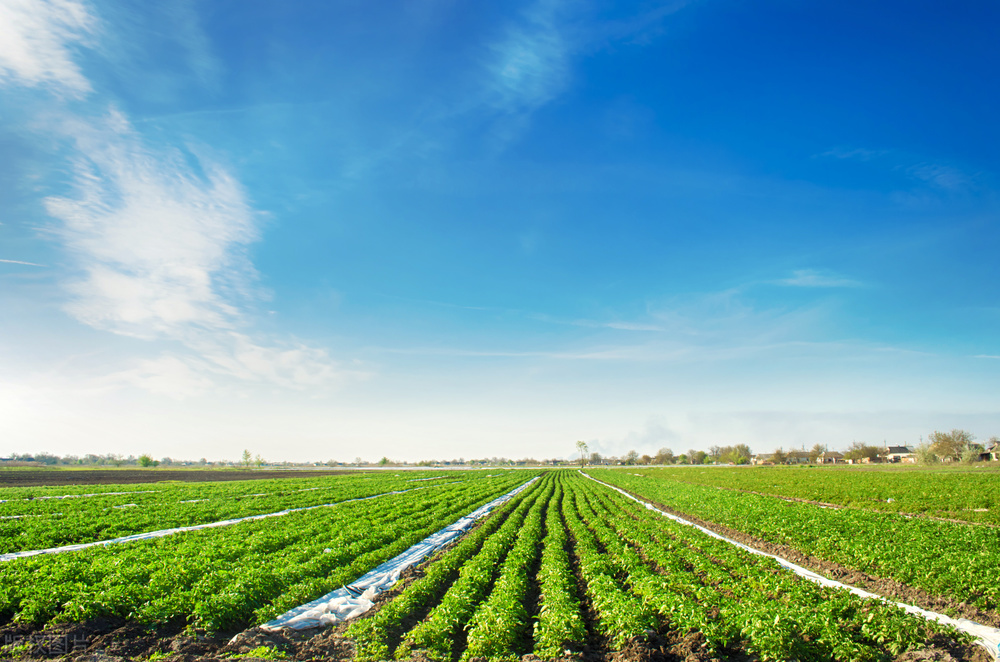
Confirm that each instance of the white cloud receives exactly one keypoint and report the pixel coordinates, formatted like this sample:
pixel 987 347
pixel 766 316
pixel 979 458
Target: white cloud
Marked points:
pixel 37 39
pixel 813 278
pixel 160 239
pixel 158 245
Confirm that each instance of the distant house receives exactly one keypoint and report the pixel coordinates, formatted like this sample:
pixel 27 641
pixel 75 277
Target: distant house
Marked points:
pixel 797 457
pixel 830 457
pixel 898 454
pixel 761 459
pixel 992 453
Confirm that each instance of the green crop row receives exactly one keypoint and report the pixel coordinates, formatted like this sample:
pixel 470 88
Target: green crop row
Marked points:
pixel 949 559
pixel 501 623
pixel 374 635
pixel 642 574
pixel 970 495
pixel 699 583
pixel 560 627
pixel 234 576
pixel 437 633
pixel 45 523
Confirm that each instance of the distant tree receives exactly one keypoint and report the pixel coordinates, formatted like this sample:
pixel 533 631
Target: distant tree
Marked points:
pixel 779 457
pixel 664 456
pixel 924 453
pixel 581 448
pixel 738 454
pixel 631 458
pixel 972 453
pixel 247 457
pixel 697 457
pixel 595 458
pixel 145 461
pixel 859 450
pixel 258 461
pixel 950 445
pixel 384 461
pixel 683 459
pixel 816 451
pixel 715 453
pixel 116 459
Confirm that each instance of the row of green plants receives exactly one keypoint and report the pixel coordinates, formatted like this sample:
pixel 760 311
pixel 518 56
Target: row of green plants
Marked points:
pixel 46 523
pixel 559 628
pixel 947 559
pixel 376 636
pixel 698 583
pixel 234 577
pixel 970 496
pixel 455 614
pixel 639 573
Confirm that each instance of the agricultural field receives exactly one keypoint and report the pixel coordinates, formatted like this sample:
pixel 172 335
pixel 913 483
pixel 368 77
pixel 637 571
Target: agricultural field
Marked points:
pixel 566 569
pixel 39 518
pixel 953 564
pixel 963 492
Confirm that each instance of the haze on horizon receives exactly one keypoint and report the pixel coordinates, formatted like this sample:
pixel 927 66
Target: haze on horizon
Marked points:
pixel 428 229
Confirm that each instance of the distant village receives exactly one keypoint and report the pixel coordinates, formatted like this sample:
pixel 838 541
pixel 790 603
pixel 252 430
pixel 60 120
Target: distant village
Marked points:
pixel 956 446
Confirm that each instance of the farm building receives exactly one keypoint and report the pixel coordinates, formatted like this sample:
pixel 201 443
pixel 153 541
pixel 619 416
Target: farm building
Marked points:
pixel 992 453
pixel 830 457
pixel 898 454
pixel 797 457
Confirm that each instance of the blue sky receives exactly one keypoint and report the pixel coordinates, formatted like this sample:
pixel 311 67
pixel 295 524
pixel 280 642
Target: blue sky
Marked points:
pixel 438 229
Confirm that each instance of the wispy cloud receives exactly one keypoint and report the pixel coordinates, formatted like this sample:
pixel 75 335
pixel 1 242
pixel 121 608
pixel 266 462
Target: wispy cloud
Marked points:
pixel 942 176
pixel 813 278
pixel 158 244
pixel 531 61
pixel 37 38
pixel 160 239
pixel 617 325
pixel 158 235
pixel 986 356
pixel 854 153
pixel 945 177
pixel 30 264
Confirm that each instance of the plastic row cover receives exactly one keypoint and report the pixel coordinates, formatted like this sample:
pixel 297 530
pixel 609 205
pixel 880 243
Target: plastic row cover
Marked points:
pixel 986 636
pixel 356 598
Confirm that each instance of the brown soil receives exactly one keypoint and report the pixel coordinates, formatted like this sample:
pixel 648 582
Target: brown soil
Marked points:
pixel 43 477
pixel 886 587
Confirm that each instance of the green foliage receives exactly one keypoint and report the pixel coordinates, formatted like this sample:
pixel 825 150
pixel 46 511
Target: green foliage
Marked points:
pixel 36 520
pixel 261 653
pixel 231 577
pixel 944 558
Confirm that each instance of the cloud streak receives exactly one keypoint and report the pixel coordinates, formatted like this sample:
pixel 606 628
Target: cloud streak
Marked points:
pixel 29 264
pixel 37 38
pixel 531 61
pixel 813 278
